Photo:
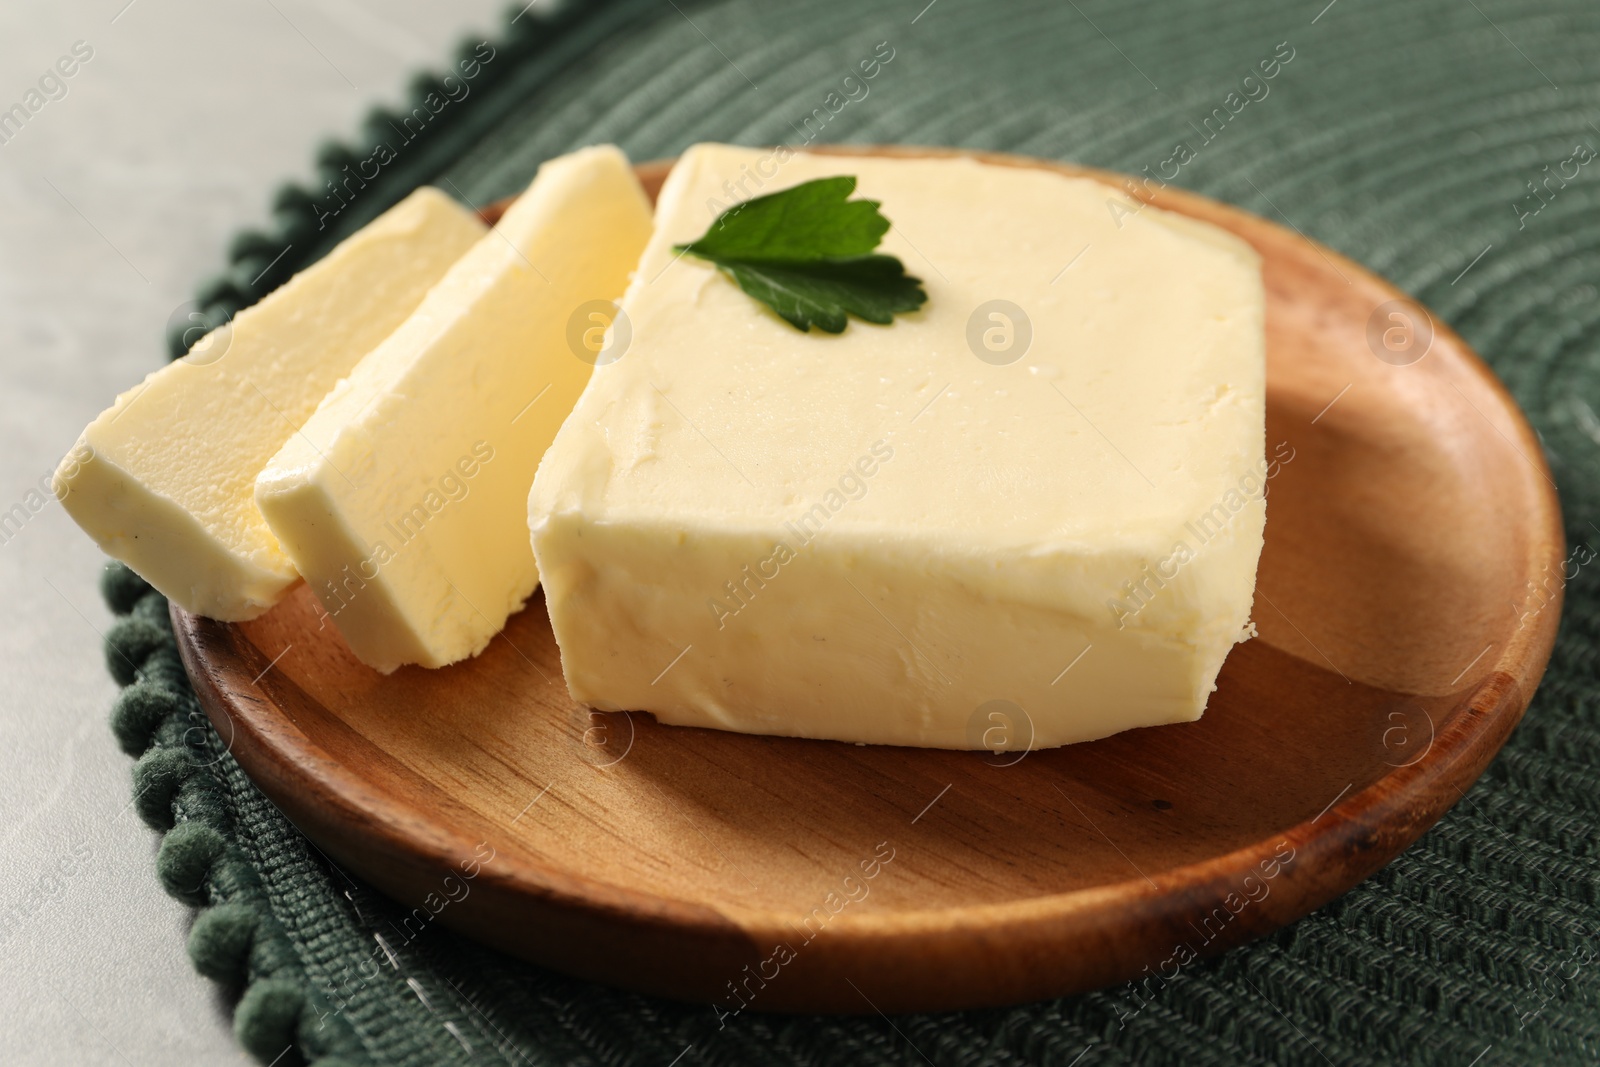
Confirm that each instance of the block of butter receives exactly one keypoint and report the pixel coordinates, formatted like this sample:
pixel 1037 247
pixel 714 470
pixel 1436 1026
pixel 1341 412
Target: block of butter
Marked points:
pixel 164 479
pixel 403 500
pixel 1028 515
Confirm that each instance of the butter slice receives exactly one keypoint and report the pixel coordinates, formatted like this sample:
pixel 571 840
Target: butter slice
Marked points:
pixel 164 479
pixel 403 501
pixel 882 537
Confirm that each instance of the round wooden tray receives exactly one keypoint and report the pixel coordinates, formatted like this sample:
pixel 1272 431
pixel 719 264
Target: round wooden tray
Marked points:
pixel 1400 641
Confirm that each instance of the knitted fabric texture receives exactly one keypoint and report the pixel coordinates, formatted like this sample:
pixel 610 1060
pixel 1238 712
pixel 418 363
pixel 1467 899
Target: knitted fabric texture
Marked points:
pixel 1419 139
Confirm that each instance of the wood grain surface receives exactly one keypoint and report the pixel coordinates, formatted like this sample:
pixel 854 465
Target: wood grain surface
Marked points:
pixel 1399 642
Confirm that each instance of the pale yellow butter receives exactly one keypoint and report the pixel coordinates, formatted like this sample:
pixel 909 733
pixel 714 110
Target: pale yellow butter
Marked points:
pixel 404 499
pixel 164 479
pixel 919 534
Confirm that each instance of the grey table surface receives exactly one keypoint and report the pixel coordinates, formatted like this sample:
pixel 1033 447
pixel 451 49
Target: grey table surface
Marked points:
pixel 116 198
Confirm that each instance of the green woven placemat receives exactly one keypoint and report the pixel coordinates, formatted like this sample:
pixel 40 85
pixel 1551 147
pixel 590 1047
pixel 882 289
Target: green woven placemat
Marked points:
pixel 1437 142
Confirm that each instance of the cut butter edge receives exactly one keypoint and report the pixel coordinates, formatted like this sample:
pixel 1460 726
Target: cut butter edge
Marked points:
pixel 162 480
pixel 403 499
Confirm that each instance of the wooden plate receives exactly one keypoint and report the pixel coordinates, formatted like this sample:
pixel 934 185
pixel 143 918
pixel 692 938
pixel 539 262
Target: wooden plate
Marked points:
pixel 1408 599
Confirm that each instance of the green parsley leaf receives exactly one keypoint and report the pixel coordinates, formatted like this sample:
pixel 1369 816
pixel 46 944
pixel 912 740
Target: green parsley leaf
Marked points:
pixel 807 253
